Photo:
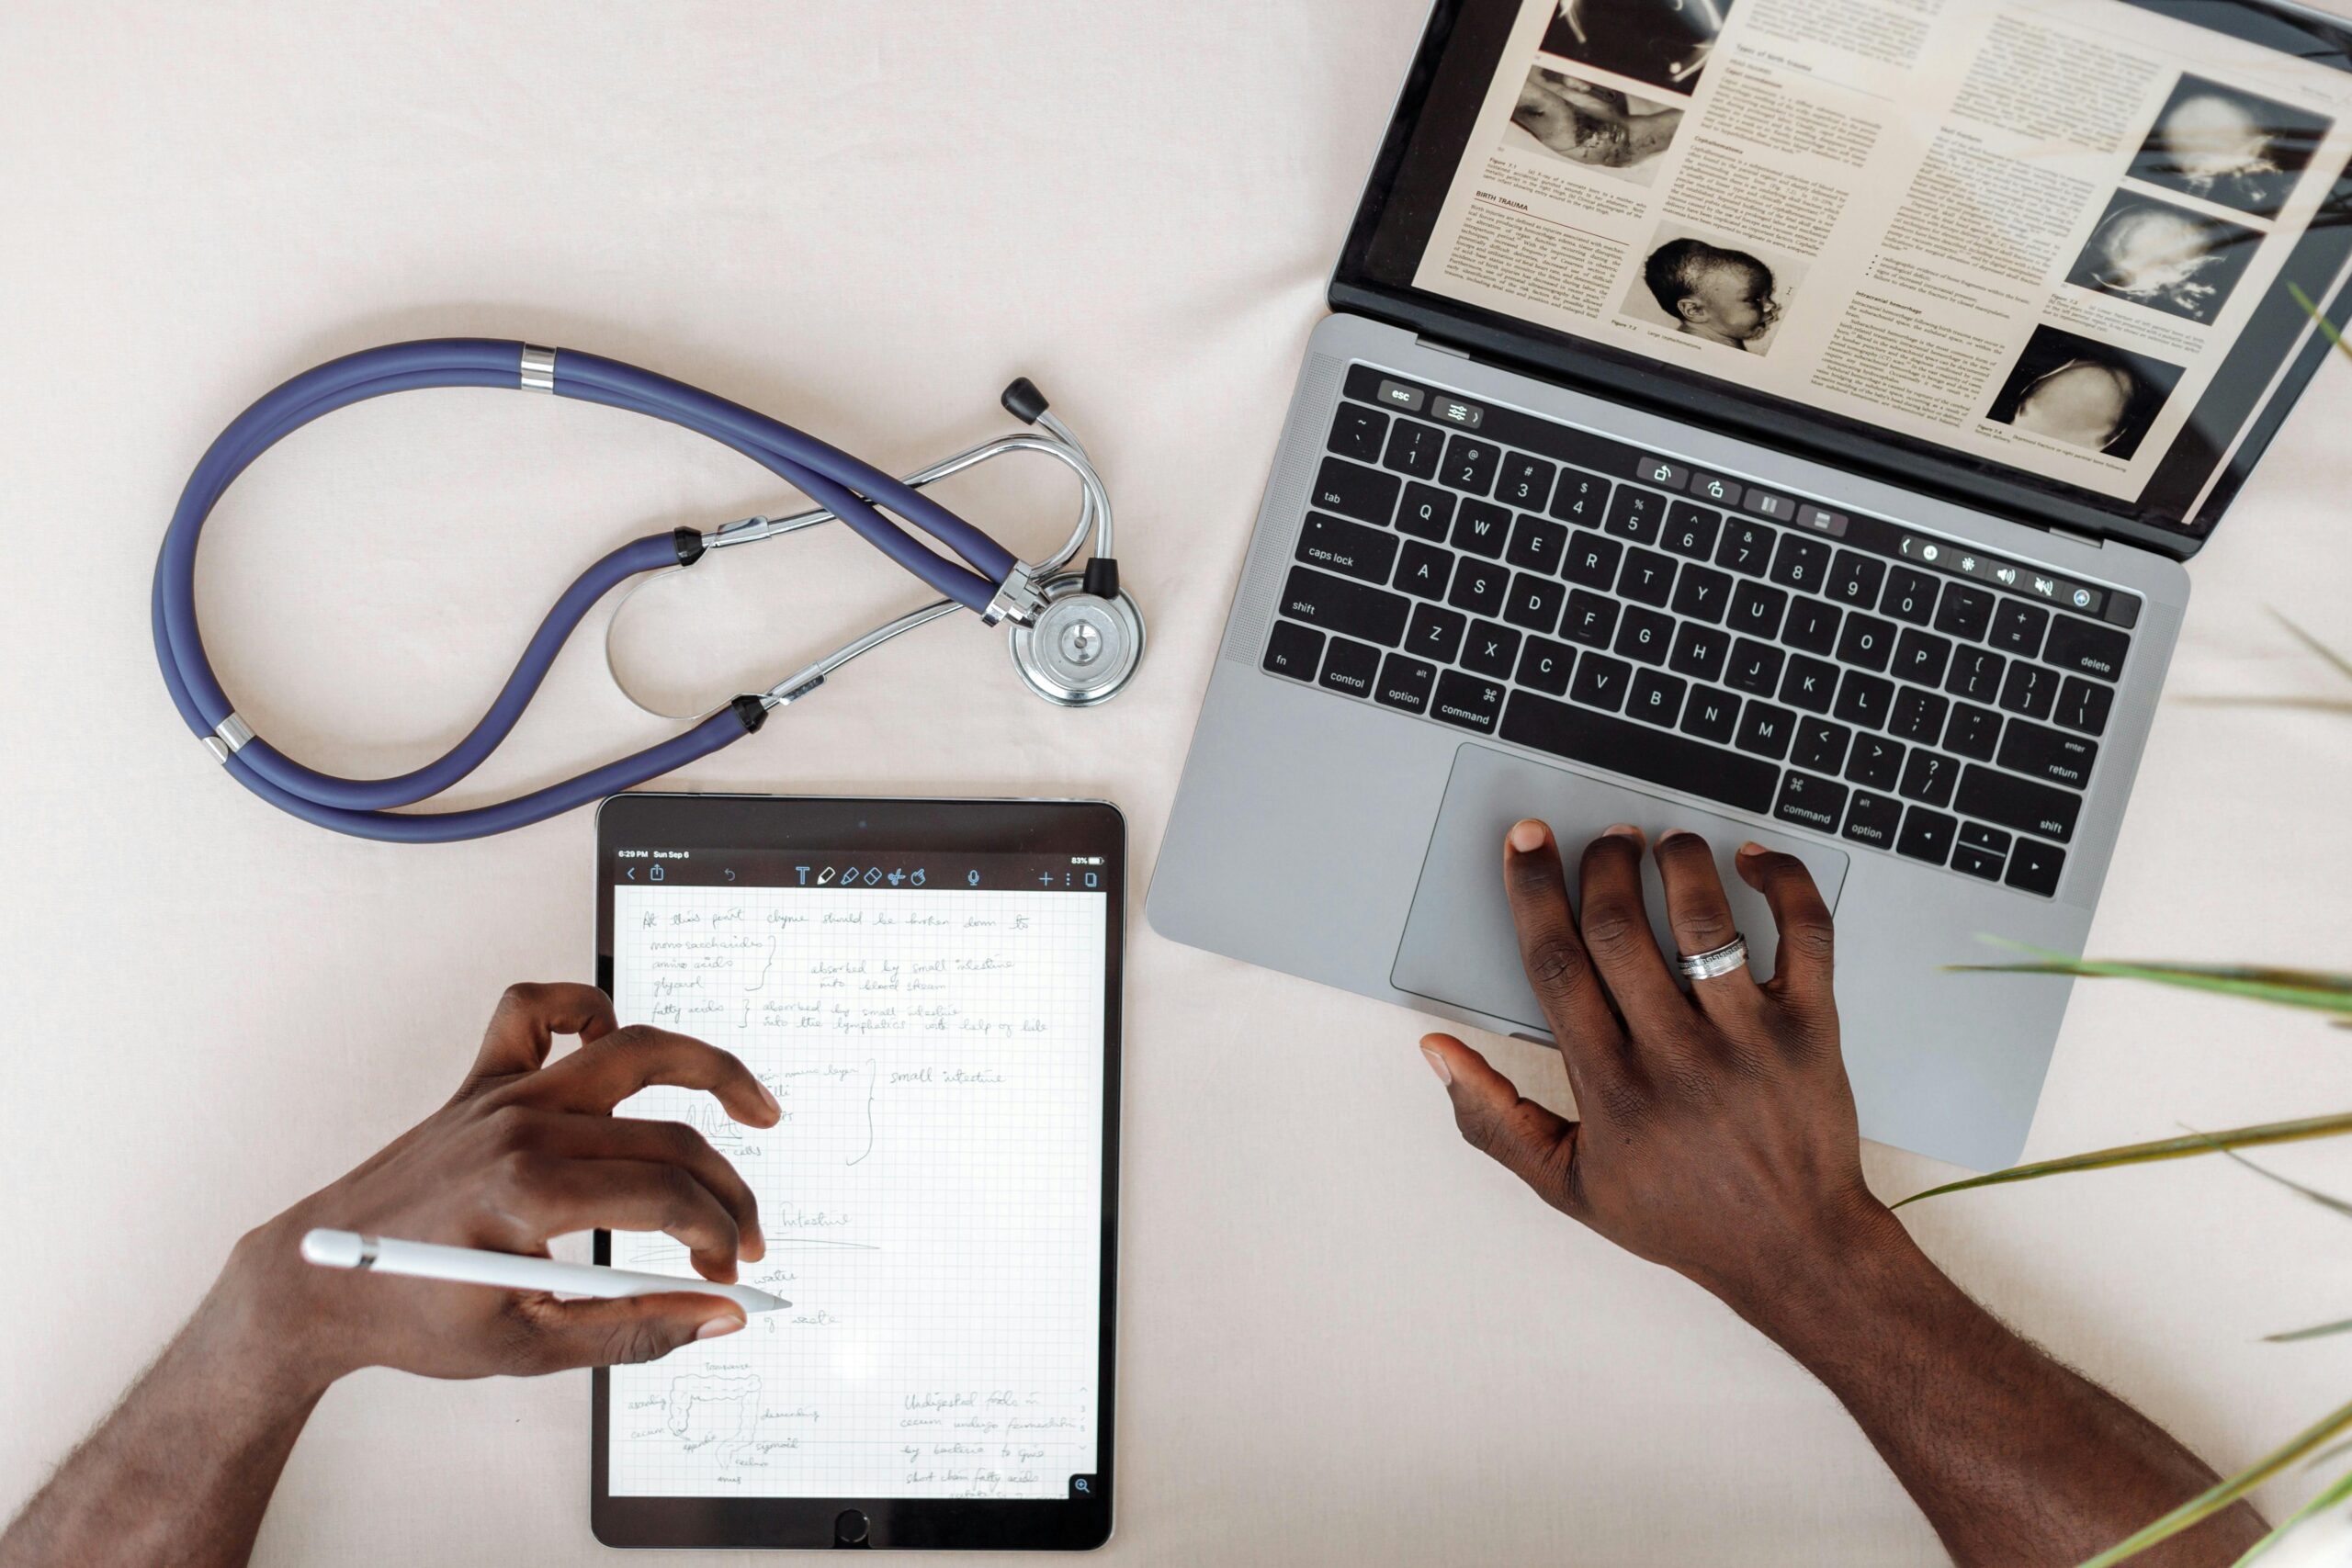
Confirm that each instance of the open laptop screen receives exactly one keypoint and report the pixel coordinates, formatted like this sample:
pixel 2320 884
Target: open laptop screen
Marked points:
pixel 2038 253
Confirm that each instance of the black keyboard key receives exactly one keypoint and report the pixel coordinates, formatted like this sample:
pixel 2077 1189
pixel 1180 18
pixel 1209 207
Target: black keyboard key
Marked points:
pixel 1855 578
pixel 1483 528
pixel 1973 861
pixel 1820 746
pixel 1873 819
pixel 1357 432
pixel 1591 619
pixel 1351 549
pixel 1972 733
pixel 1580 498
pixel 1415 448
pixel 1365 494
pixel 1711 714
pixel 1644 635
pixel 1654 756
pixel 2030 690
pixel 1811 626
pixel 1766 730
pixel 1865 700
pixel 1490 649
pixel 1600 681
pixel 1657 697
pixel 1637 513
pixel 1910 596
pixel 1691 530
pixel 2018 627
pixel 2050 754
pixel 1746 546
pixel 2085 648
pixel 1809 683
pixel 1469 465
pixel 1699 652
pixel 1436 635
pixel 1965 612
pixel 1536 543
pixel 1335 605
pixel 1928 777
pixel 1918 717
pixel 1921 656
pixel 1647 577
pixel 1755 667
pixel 1544 665
pixel 1801 562
pixel 1811 802
pixel 2034 867
pixel 1479 586
pixel 1867 641
pixel 1292 650
pixel 1534 603
pixel 2084 705
pixel 1428 512
pixel 1976 836
pixel 1524 480
pixel 1702 592
pixel 1927 835
pixel 1756 610
pixel 1469 702
pixel 1350 667
pixel 1406 683
pixel 1875 762
pixel 1592 561
pixel 2020 804
pixel 1976 674
pixel 1423 570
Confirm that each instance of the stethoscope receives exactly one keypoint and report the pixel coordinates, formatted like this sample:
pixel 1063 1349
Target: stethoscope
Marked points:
pixel 1077 639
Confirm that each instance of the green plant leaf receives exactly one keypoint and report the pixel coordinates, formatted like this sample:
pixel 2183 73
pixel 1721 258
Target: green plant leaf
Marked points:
pixel 2342 665
pixel 2223 1494
pixel 2318 1331
pixel 2326 1200
pixel 2316 314
pixel 2321 990
pixel 2335 1493
pixel 2184 1147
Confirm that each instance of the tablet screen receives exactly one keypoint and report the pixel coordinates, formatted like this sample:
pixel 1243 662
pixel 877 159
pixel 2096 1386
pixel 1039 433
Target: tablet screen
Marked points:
pixel 933 1024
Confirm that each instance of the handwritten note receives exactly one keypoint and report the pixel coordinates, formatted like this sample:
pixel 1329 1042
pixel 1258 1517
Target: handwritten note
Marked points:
pixel 930 1199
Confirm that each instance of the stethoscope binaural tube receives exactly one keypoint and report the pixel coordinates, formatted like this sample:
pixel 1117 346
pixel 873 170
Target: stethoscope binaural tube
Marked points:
pixel 990 581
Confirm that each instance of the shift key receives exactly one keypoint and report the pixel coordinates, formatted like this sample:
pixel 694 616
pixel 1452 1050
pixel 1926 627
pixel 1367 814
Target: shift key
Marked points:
pixel 1351 609
pixel 2020 804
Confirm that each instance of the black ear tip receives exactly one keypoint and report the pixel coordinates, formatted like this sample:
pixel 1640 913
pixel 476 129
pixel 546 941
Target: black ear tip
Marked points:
pixel 1023 402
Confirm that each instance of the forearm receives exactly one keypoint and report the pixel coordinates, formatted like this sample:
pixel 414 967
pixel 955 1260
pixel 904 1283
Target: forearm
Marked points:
pixel 183 1470
pixel 2014 1459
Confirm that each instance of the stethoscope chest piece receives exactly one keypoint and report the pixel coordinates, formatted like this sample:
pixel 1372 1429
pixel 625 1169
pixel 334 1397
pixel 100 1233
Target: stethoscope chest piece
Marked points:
pixel 1082 649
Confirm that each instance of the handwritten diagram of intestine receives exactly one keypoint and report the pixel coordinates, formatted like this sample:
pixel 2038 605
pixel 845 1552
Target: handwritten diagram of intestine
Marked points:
pixel 707 1408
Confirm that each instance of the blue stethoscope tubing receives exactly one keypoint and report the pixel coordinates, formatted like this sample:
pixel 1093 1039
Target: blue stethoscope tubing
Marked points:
pixel 852 489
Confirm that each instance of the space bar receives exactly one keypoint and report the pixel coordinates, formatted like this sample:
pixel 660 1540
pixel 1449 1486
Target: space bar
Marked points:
pixel 1623 747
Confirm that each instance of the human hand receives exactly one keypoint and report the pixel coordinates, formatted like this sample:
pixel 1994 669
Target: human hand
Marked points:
pixel 522 1153
pixel 1717 1133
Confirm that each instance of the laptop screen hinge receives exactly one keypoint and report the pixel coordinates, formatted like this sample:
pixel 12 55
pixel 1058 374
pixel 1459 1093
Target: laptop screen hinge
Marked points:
pixel 1442 346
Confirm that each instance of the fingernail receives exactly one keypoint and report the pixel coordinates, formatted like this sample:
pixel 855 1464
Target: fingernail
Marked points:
pixel 767 1097
pixel 718 1326
pixel 1436 1065
pixel 1751 848
pixel 754 1245
pixel 1528 835
pixel 1623 831
pixel 1673 833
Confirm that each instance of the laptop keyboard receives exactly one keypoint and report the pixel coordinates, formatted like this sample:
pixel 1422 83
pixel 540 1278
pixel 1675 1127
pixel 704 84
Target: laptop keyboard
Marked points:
pixel 1583 598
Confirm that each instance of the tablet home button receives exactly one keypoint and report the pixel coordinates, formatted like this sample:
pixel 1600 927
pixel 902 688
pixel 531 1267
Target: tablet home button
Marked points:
pixel 849 1529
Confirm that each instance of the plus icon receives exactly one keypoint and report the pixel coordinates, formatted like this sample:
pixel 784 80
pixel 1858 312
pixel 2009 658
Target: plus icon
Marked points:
pixel 1045 879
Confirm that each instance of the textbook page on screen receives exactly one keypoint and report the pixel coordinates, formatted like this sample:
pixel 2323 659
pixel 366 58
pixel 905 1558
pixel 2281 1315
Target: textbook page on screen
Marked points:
pixel 2029 233
pixel 931 1198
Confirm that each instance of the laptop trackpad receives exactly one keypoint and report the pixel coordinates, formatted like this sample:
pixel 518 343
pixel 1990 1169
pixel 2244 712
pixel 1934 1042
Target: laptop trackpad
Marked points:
pixel 1459 946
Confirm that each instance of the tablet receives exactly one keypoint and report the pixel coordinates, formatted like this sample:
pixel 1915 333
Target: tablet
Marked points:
pixel 931 989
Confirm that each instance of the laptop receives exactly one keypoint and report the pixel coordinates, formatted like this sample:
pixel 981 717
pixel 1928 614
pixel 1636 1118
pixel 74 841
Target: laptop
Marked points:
pixel 1783 419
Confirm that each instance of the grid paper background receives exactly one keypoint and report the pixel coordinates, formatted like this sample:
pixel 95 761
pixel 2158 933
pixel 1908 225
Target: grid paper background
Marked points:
pixel 931 1198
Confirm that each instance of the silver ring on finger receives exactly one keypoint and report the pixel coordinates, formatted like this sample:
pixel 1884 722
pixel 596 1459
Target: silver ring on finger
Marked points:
pixel 1715 962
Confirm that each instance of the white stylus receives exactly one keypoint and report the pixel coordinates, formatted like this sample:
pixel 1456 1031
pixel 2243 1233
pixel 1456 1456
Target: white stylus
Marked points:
pixel 429 1260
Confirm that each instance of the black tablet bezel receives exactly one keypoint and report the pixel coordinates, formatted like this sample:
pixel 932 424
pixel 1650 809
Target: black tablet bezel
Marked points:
pixel 1443 91
pixel 719 822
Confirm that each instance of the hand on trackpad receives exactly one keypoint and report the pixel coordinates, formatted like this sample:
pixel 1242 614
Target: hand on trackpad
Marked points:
pixel 1459 945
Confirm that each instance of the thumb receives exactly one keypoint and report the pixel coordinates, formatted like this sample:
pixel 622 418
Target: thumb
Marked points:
pixel 1524 1138
pixel 632 1328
